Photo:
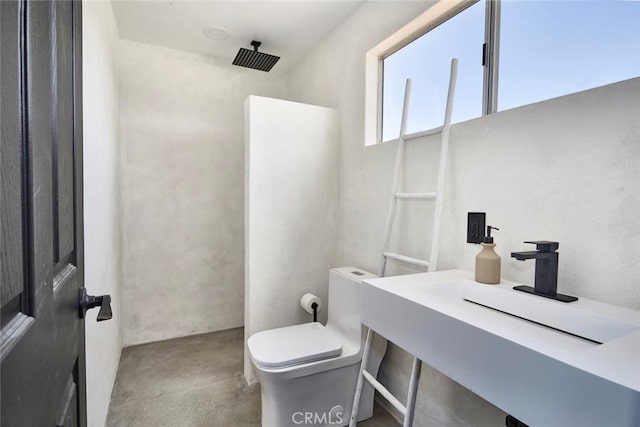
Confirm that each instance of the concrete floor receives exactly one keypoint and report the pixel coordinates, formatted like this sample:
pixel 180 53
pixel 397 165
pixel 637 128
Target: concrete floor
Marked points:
pixel 194 381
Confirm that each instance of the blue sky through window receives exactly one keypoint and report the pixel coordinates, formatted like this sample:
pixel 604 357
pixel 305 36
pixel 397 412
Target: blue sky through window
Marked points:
pixel 552 48
pixel 427 62
pixel 548 48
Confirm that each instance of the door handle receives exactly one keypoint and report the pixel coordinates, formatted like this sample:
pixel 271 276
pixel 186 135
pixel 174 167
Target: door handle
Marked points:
pixel 89 301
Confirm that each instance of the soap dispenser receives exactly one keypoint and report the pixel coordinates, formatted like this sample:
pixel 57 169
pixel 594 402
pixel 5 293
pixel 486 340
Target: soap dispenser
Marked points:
pixel 488 261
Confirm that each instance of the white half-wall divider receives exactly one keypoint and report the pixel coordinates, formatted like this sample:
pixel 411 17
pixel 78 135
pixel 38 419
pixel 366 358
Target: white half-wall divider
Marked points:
pixel 291 202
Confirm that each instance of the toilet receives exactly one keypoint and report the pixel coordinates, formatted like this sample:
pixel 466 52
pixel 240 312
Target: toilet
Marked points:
pixel 308 372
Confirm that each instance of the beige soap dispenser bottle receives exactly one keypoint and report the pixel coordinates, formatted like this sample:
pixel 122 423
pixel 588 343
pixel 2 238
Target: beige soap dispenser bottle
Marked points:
pixel 488 261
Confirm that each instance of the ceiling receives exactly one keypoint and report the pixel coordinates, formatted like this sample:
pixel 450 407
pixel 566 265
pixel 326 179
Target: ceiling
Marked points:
pixel 286 28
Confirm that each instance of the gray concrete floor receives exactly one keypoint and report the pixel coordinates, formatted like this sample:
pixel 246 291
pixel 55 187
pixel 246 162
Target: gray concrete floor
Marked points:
pixel 194 381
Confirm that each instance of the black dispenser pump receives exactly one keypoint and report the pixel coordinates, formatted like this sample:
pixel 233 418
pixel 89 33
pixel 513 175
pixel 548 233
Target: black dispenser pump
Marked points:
pixel 487 237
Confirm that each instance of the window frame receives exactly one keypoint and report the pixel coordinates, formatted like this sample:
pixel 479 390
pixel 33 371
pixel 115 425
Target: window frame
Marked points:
pixel 434 16
pixel 452 13
pixel 491 57
pixel 438 13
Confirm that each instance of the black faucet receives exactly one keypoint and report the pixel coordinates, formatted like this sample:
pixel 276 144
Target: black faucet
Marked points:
pixel 546 282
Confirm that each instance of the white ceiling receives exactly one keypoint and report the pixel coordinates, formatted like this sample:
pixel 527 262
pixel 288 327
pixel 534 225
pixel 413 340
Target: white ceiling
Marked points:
pixel 286 28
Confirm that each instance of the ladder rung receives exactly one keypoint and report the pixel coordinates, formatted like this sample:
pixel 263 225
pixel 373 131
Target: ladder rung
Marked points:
pixel 385 393
pixel 415 196
pixel 407 259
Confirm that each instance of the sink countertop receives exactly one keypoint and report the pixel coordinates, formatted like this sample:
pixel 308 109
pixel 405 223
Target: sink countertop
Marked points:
pixel 497 355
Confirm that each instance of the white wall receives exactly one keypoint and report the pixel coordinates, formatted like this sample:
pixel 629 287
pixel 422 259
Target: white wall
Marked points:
pixel 291 197
pixel 182 190
pixel 564 169
pixel 100 53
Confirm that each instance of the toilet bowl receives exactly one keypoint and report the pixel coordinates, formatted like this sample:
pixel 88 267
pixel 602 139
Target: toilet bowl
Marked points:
pixel 308 372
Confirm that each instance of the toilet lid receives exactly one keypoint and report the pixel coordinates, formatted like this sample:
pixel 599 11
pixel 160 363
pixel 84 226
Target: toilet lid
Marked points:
pixel 293 345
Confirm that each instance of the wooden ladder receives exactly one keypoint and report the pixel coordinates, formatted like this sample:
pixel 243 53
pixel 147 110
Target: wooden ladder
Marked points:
pixel 430 265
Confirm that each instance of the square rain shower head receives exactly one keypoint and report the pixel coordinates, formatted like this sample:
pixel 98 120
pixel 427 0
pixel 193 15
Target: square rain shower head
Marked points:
pixel 254 59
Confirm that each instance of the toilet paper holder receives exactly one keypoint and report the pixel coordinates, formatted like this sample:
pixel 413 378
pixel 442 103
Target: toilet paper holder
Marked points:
pixel 311 304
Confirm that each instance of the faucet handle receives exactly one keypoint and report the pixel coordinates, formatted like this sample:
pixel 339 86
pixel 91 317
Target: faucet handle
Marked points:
pixel 544 245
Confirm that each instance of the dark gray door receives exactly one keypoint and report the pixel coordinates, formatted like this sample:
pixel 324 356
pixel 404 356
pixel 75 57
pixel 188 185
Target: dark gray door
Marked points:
pixel 42 349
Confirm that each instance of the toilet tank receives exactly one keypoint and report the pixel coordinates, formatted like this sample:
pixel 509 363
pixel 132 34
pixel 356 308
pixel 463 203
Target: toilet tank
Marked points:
pixel 344 300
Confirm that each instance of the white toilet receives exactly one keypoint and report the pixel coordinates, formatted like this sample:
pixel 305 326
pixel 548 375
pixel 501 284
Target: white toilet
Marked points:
pixel 308 372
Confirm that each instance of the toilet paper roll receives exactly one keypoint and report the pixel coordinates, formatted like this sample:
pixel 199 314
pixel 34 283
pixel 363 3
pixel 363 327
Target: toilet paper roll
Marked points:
pixel 307 300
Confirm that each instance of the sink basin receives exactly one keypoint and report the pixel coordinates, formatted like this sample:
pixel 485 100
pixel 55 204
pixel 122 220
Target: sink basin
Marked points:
pixel 521 352
pixel 574 319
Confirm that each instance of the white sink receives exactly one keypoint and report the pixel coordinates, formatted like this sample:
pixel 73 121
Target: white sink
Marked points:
pixel 579 361
pixel 595 323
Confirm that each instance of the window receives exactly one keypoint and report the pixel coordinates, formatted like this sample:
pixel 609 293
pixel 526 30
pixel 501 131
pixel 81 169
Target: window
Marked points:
pixel 427 62
pixel 533 51
pixel 549 49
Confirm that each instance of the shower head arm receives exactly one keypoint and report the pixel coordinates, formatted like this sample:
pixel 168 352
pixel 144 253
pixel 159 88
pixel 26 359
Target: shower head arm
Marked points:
pixel 255 45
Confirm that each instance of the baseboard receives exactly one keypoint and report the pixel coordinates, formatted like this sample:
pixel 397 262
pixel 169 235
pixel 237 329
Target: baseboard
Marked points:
pixel 190 334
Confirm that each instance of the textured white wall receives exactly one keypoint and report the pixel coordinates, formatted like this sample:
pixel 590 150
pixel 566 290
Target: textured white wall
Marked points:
pixel 291 198
pixel 182 190
pixel 100 53
pixel 564 169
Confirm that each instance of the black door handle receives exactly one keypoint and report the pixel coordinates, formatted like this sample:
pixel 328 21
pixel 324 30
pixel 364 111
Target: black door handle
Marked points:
pixel 89 301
